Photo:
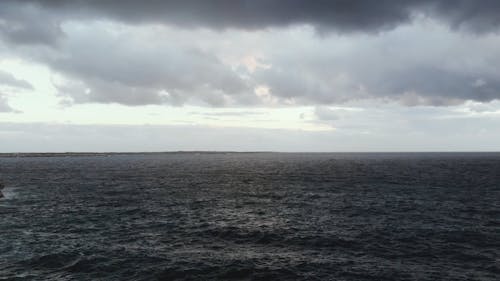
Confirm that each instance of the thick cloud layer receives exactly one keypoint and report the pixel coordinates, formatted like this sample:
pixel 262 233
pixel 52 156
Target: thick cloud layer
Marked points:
pixel 25 24
pixel 138 66
pixel 428 52
pixel 425 64
pixel 102 66
pixel 248 14
pixel 339 15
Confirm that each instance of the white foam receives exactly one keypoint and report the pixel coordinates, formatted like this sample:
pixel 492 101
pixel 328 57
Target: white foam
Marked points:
pixel 8 192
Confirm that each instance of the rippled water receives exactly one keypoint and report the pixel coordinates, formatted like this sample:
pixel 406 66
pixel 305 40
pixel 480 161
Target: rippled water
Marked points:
pixel 257 216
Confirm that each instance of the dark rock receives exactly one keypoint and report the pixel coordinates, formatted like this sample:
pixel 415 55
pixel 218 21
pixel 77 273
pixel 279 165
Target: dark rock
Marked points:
pixel 2 186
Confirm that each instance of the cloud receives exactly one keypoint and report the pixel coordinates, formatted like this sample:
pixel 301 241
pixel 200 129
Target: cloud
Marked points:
pixel 228 113
pixel 483 108
pixel 4 106
pixel 474 16
pixel 22 23
pixel 326 114
pixel 382 131
pixel 255 14
pixel 130 53
pixel 37 21
pixel 29 137
pixel 112 63
pixel 392 123
pixel 400 65
pixel 140 70
pixel 8 79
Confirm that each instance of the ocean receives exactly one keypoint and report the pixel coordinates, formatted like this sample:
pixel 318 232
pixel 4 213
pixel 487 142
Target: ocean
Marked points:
pixel 251 216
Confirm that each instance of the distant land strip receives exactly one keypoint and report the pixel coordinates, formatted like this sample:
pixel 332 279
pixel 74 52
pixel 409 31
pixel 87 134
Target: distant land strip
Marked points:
pixel 73 154
pixel 373 153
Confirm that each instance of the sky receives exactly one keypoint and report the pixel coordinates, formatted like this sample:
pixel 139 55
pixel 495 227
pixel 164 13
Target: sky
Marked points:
pixel 249 75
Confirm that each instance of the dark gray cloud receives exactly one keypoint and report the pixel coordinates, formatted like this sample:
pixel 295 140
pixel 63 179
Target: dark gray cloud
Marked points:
pixel 8 79
pixel 38 21
pixel 475 16
pixel 340 15
pixel 23 24
pixel 247 14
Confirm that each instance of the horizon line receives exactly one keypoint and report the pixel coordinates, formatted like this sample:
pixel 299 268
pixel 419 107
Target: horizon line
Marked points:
pixel 95 153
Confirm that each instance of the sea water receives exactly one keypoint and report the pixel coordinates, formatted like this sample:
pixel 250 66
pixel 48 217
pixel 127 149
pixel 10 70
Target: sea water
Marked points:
pixel 251 216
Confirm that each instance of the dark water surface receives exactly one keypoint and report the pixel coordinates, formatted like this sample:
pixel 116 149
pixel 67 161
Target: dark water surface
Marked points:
pixel 257 216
